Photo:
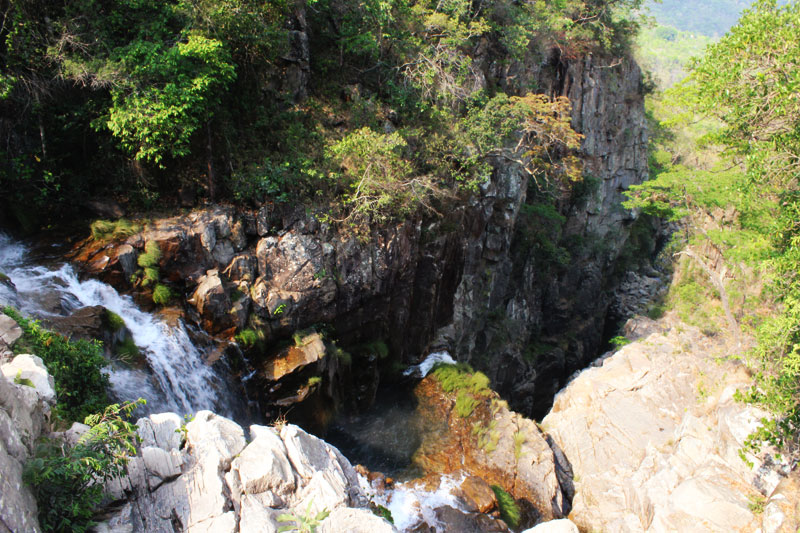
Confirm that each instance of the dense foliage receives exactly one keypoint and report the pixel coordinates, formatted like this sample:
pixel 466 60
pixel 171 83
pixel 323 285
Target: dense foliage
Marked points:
pixel 745 215
pixel 140 98
pixel 76 367
pixel 67 481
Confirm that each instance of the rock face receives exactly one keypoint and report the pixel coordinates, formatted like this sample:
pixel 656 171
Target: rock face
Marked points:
pixel 24 417
pixel 479 281
pixel 205 476
pixel 653 438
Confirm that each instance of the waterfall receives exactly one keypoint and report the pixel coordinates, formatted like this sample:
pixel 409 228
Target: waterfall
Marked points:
pixel 177 379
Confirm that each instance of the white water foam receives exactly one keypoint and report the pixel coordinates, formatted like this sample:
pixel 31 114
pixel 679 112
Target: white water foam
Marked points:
pixel 411 504
pixel 424 368
pixel 180 381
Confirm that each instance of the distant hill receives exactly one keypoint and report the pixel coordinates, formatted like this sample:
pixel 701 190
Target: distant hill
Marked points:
pixel 712 18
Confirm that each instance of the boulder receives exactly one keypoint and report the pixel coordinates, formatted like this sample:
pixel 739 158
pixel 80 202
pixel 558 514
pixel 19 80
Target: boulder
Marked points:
pixel 31 368
pixel 264 464
pixel 563 525
pixel 9 331
pixel 354 521
pixel 309 350
pixel 212 302
pixel 653 437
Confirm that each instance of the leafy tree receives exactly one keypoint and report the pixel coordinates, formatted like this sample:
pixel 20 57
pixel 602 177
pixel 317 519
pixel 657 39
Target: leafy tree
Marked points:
pixel 67 481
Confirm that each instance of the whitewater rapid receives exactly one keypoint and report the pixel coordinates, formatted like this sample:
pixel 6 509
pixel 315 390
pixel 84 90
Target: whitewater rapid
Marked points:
pixel 177 378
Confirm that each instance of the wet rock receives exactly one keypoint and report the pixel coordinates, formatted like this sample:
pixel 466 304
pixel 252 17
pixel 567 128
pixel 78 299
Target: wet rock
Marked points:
pixel 455 521
pixel 477 495
pixel 309 350
pixel 125 256
pixel 241 268
pixel 492 443
pixel 212 302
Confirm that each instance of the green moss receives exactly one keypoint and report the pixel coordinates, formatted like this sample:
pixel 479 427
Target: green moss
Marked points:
pixel 313 381
pixel 128 352
pixel 4 278
pixel 117 229
pixel 115 321
pixel 461 377
pixel 465 404
pixel 509 510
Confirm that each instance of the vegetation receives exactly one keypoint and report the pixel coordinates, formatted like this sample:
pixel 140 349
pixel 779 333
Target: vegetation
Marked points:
pixel 509 510
pixel 462 378
pixel 306 523
pixel 107 229
pixel 68 481
pixel 76 367
pixel 141 98
pixel 739 202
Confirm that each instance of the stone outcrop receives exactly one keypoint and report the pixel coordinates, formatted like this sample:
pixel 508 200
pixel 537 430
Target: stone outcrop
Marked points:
pixel 26 396
pixel 653 434
pixel 205 476
pixel 494 444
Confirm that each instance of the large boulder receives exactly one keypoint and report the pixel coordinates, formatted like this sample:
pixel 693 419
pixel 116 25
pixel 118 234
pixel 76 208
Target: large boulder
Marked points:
pixel 653 436
pixel 204 476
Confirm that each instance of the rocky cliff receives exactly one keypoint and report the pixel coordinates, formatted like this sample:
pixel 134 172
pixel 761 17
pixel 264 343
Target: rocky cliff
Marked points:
pixel 522 300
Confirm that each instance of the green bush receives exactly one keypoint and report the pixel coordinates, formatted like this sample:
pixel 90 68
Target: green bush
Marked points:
pixel 76 367
pixel 247 338
pixel 151 255
pixel 509 510
pixel 68 481
pixel 161 295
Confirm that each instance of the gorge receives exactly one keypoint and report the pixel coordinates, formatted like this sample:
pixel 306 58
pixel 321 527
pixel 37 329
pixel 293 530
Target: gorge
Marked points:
pixel 378 266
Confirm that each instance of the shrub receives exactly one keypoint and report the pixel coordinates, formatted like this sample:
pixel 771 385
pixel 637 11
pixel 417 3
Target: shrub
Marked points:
pixel 247 338
pixel 68 482
pixel 161 294
pixel 150 256
pixel 76 367
pixel 509 510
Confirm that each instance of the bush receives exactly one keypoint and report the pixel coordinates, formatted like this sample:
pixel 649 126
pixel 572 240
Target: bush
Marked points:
pixel 161 295
pixel 150 256
pixel 68 482
pixel 76 367
pixel 509 510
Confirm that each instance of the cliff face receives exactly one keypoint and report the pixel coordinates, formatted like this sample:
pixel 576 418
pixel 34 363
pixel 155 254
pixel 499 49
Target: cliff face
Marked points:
pixel 485 281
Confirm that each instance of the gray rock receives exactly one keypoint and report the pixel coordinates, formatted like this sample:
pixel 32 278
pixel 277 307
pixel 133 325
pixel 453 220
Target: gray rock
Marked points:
pixel 563 525
pixel 9 330
pixel 264 465
pixel 31 367
pixel 161 430
pixel 354 521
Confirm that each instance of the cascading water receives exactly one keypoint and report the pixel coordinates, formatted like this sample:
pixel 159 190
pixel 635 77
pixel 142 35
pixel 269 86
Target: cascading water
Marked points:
pixel 177 378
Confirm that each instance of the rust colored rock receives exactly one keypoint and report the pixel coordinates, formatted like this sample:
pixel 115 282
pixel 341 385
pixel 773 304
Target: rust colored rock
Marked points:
pixel 310 350
pixel 476 494
pixel 212 302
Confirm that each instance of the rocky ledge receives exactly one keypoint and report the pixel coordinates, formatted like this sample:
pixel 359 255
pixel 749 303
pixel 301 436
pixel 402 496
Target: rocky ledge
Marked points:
pixel 205 476
pixel 653 434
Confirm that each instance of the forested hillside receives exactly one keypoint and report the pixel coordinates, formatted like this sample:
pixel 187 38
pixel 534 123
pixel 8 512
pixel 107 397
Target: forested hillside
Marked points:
pixel 726 164
pixel 386 109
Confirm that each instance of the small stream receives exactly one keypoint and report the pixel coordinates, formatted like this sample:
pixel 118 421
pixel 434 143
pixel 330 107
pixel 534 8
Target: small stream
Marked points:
pixel 175 377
